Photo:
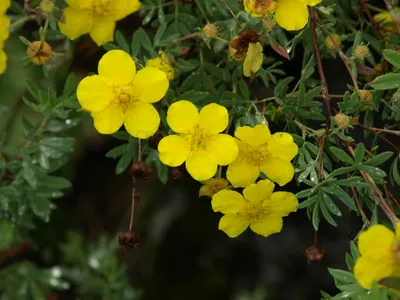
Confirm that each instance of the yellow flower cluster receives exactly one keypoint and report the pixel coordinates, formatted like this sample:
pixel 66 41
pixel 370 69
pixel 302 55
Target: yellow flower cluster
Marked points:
pixel 96 17
pixel 4 25
pixel 289 14
pixel 380 255
pixel 119 95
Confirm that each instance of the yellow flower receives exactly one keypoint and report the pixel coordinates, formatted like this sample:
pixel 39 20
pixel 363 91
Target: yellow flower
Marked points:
pixel 119 95
pixel 254 59
pixel 96 17
pixel 289 14
pixel 162 62
pixel 261 152
pixel 385 18
pixel 379 249
pixel 198 142
pixel 259 208
pixel 213 186
pixel 4 25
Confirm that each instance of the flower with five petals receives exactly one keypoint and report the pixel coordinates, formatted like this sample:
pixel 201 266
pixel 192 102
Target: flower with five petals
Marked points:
pixel 96 17
pixel 119 95
pixel 259 151
pixel 258 207
pixel 199 142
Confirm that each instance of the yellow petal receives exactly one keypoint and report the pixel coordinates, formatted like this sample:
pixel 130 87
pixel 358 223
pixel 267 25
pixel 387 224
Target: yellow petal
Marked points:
pixel 280 204
pixel 94 93
pixel 117 66
pixel 227 202
pixel 182 116
pixel 240 173
pixel 174 150
pixel 257 192
pixel 162 63
pixel 77 23
pixel 214 118
pixel 376 241
pixel 398 230
pixel 368 270
pixel 233 225
pixel 278 170
pixel 249 5
pixel 291 14
pixel 150 85
pixel 141 120
pixel 3 61
pixel 4 5
pixel 103 30
pixel 311 2
pixel 109 120
pixel 4 25
pixel 222 149
pixel 267 226
pixel 256 136
pixel 254 59
pixel 119 9
pixel 200 166
pixel 281 145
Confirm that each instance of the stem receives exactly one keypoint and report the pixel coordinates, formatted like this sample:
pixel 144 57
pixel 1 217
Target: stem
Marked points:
pixel 40 129
pixel 21 21
pixel 374 129
pixel 388 5
pixel 233 15
pixel 369 15
pixel 133 205
pixel 374 132
pixel 186 37
pixel 139 151
pixel 325 92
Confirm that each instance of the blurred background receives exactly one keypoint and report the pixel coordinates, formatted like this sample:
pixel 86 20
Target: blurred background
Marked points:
pixel 182 254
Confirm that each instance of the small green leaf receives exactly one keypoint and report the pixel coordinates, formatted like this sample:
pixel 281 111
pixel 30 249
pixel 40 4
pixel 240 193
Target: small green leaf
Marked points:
pixel 41 207
pixel 342 275
pixel 378 159
pixel 326 214
pixel 122 135
pixel 341 155
pixel 341 171
pixel 121 41
pixel 302 94
pixel 373 171
pixel 315 216
pixel 387 82
pixel 359 153
pixel 331 205
pixel 127 157
pixel 392 56
pixel 307 202
pixel 117 151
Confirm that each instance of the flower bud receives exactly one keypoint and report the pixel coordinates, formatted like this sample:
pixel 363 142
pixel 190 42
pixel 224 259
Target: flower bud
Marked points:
pixel 47 6
pixel 140 170
pixel 343 121
pixel 39 52
pixel 129 239
pixel 330 44
pixel 315 254
pixel 361 51
pixel 365 95
pixel 210 31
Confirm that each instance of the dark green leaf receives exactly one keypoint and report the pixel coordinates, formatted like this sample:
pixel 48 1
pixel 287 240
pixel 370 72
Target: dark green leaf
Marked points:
pixel 326 214
pixel 373 171
pixel 315 216
pixel 342 276
pixel 121 41
pixel 359 153
pixel 392 56
pixel 379 159
pixel 331 205
pixel 117 151
pixel 341 155
pixel 387 82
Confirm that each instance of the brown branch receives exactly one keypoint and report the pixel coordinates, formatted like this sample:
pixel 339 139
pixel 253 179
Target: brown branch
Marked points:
pixel 233 15
pixel 371 18
pixel 324 89
pixel 12 254
pixel 133 204
pixel 374 132
pixel 186 37
pixel 377 130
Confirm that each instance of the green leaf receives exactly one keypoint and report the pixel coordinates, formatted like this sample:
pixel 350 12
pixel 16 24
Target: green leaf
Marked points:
pixel 354 251
pixel 54 182
pixel 127 157
pixel 395 170
pixel 341 195
pixel 117 151
pixel 41 207
pixel 302 94
pixel 145 40
pixel 331 205
pixel 392 56
pixel 307 202
pixel 244 91
pixel 342 275
pixel 353 181
pixel 135 45
pixel 326 214
pixel 359 153
pixel 341 171
pixel 378 159
pixel 6 235
pixel 35 91
pixel 62 144
pixel 122 135
pixel 162 170
pixel 121 41
pixel 387 82
pixel 373 171
pixel 282 86
pixel 159 34
pixel 315 216
pixel 341 155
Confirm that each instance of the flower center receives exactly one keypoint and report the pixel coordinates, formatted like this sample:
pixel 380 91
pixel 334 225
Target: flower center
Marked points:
pixel 254 212
pixel 100 7
pixel 255 155
pixel 124 95
pixel 197 139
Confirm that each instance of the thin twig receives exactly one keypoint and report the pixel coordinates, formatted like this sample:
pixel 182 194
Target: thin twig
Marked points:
pixel 133 204
pixel 374 129
pixel 371 18
pixel 382 138
pixel 233 15
pixel 363 216
pixel 186 37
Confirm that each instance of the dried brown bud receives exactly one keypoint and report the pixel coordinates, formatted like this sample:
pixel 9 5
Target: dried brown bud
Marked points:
pixel 140 170
pixel 269 23
pixel 333 45
pixel 210 31
pixel 240 44
pixel 155 140
pixel 39 52
pixel 361 51
pixel 176 173
pixel 129 239
pixel 47 6
pixel 315 254
pixel 342 120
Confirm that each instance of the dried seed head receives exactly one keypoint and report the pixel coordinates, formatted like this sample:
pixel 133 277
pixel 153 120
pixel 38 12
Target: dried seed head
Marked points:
pixel 343 121
pixel 39 52
pixel 361 51
pixel 210 31
pixel 240 44
pixel 129 239
pixel 140 170
pixel 315 254
pixel 333 45
pixel 176 173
